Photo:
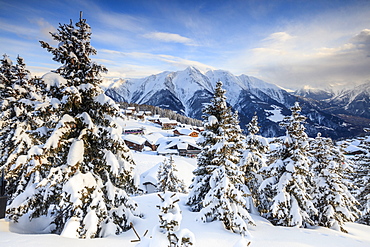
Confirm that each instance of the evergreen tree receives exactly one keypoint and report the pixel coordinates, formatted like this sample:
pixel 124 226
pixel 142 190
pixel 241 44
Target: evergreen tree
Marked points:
pixel 7 76
pixel 233 132
pixel 167 178
pixel 82 173
pixel 363 180
pixel 7 79
pixel 331 197
pixel 253 159
pixel 286 200
pixel 214 189
pixel 19 119
pixel 170 219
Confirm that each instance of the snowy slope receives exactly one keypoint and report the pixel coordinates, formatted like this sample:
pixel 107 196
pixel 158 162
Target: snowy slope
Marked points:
pixel 206 234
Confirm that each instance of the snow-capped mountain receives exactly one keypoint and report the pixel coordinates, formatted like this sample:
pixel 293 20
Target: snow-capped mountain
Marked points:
pixel 353 102
pixel 315 93
pixel 186 91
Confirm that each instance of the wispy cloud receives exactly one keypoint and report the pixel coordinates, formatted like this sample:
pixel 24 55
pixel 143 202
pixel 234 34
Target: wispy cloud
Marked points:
pixel 328 48
pixel 20 30
pixel 169 37
pixel 44 27
pixel 120 21
pixel 278 37
pixel 323 66
pixel 140 63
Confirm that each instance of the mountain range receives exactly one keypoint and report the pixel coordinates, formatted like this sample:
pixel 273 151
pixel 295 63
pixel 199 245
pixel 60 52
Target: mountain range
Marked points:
pixel 337 115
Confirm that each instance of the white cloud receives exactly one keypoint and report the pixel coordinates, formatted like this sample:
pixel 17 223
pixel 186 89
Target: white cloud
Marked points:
pixel 45 27
pixel 169 37
pixel 122 21
pixel 17 29
pixel 348 63
pixel 278 37
pixel 140 64
pixel 294 60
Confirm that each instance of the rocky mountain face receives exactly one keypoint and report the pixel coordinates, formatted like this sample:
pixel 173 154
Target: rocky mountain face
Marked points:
pixel 352 105
pixel 187 91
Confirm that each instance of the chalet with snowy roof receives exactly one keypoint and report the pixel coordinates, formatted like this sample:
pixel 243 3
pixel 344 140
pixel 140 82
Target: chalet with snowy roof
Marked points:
pixel 127 112
pixel 130 111
pixel 142 114
pixel 133 130
pixel 135 142
pixel 185 132
pixel 153 119
pixel 152 139
pixel 167 123
pixel 148 180
pixel 182 145
pixel 353 150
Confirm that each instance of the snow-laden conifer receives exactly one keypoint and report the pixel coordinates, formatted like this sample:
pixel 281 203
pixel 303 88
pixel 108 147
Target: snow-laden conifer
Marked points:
pixel 168 179
pixel 21 100
pixel 362 179
pixel 286 200
pixel 214 191
pixel 331 197
pixel 253 159
pixel 7 93
pixel 82 174
pixel 170 217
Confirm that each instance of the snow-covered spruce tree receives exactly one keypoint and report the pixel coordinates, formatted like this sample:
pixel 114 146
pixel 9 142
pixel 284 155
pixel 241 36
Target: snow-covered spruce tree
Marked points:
pixel 286 187
pixel 170 219
pixel 168 179
pixel 234 132
pixel 7 79
pixel 214 191
pixel 19 119
pixel 331 197
pixel 363 180
pixel 87 169
pixel 7 76
pixel 253 159
pixel 23 162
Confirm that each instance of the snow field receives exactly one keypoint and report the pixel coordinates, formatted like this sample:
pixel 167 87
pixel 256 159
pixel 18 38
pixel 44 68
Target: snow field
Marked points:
pixel 206 234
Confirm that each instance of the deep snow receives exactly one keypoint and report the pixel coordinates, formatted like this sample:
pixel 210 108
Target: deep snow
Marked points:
pixel 32 234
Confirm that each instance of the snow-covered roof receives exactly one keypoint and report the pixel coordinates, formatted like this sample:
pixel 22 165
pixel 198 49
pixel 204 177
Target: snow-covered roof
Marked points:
pixel 185 131
pixel 352 149
pixel 167 120
pixel 182 142
pixel 150 175
pixel 134 139
pixel 152 138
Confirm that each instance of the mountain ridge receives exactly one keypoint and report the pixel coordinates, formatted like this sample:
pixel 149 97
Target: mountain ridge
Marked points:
pixel 186 92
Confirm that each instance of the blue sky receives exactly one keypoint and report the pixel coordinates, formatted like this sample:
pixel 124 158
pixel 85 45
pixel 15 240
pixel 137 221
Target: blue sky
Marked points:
pixel 289 43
